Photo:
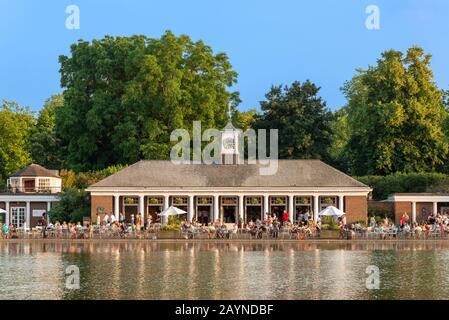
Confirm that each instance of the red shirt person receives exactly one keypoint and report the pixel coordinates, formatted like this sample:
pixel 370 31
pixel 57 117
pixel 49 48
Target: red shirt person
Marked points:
pixel 285 216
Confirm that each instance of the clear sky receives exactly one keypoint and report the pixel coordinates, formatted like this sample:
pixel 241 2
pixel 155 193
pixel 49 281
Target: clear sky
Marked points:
pixel 268 42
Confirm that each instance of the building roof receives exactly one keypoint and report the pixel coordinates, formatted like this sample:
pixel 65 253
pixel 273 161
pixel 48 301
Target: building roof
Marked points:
pixel 290 173
pixel 35 170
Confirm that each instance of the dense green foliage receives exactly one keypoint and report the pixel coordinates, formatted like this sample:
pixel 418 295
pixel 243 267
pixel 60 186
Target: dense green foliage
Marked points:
pixel 45 147
pixel 16 124
pixel 383 186
pixel 395 116
pixel 124 96
pixel 303 121
pixel 74 201
pixel 73 205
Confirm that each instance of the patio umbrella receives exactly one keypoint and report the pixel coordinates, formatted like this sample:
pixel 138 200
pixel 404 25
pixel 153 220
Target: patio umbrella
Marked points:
pixel 171 211
pixel 3 211
pixel 331 211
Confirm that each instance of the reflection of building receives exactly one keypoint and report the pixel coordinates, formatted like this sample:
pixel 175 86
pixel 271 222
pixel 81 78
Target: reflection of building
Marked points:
pixel 418 206
pixel 30 193
pixel 230 190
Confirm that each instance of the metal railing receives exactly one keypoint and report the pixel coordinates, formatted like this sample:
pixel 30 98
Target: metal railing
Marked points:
pixel 43 190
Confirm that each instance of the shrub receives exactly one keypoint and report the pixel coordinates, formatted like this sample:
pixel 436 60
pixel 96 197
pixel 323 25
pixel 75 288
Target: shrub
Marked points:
pixel 383 186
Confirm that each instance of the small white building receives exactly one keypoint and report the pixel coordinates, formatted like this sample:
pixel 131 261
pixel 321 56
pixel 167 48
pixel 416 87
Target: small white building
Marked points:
pixel 31 192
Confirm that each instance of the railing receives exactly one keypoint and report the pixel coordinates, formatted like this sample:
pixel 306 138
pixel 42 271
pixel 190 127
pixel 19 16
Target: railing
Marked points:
pixel 23 189
pixel 211 233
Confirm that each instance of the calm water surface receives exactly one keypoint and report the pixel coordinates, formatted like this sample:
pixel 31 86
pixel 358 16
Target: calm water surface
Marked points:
pixel 131 270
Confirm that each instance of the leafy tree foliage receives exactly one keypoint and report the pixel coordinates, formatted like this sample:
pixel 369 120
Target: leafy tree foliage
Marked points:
pixel 303 121
pixel 395 116
pixel 45 147
pixel 16 123
pixel 73 205
pixel 124 96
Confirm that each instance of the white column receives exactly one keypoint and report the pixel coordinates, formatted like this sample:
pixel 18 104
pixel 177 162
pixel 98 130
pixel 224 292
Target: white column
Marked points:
pixel 190 214
pixel 48 210
pixel 27 213
pixel 413 212
pixel 290 207
pixel 266 208
pixel 142 207
pixel 164 220
pixel 316 209
pixel 7 213
pixel 241 207
pixel 341 203
pixel 216 208
pixel 435 208
pixel 117 206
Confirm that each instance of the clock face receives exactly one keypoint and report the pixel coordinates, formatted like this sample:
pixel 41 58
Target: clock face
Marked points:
pixel 228 143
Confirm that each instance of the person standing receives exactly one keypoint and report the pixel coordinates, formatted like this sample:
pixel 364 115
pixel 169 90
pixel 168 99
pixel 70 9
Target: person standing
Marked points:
pixel 44 225
pixel 106 219
pixel 284 217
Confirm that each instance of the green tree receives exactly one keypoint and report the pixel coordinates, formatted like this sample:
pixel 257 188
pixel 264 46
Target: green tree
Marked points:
pixel 45 147
pixel 16 123
pixel 303 121
pixel 340 137
pixel 72 206
pixel 124 95
pixel 395 116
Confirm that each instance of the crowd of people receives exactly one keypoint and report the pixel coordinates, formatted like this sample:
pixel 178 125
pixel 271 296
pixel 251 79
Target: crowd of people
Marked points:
pixel 272 226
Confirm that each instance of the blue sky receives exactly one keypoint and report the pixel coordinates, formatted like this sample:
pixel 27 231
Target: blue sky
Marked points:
pixel 268 42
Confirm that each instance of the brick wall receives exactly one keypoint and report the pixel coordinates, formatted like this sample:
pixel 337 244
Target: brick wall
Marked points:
pixel 356 208
pixel 36 206
pixel 106 202
pixel 400 208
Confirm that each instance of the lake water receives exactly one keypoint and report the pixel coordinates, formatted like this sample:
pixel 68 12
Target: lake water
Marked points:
pixel 133 270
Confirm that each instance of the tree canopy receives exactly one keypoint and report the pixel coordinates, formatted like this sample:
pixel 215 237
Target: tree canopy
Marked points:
pixel 124 95
pixel 303 121
pixel 395 116
pixel 45 147
pixel 14 145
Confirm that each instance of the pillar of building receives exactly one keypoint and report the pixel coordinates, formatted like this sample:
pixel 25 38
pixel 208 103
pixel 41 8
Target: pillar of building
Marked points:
pixel 27 213
pixel 435 208
pixel 164 220
pixel 190 214
pixel 266 206
pixel 7 213
pixel 316 209
pixel 117 207
pixel 216 208
pixel 413 211
pixel 142 207
pixel 290 207
pixel 241 207
pixel 48 210
pixel 341 203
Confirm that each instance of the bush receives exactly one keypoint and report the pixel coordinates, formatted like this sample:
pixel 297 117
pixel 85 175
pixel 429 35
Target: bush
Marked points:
pixel 174 224
pixel 382 213
pixel 383 186
pixel 73 205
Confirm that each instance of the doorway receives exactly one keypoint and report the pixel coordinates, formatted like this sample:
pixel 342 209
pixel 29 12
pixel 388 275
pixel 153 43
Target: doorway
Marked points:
pixel 229 209
pixel 204 210
pixel 277 206
pixel 18 216
pixel 253 208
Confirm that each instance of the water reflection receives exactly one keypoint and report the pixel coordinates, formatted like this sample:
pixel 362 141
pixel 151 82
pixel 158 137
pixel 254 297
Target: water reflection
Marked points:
pixel 151 270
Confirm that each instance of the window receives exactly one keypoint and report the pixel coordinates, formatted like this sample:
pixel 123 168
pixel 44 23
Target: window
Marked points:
pixel 18 216
pixel 44 184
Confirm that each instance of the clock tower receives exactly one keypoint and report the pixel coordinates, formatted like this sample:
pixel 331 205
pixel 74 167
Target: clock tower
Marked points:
pixel 230 144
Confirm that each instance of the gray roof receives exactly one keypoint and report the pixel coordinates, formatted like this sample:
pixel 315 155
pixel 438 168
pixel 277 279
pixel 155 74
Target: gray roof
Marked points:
pixel 35 170
pixel 290 173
